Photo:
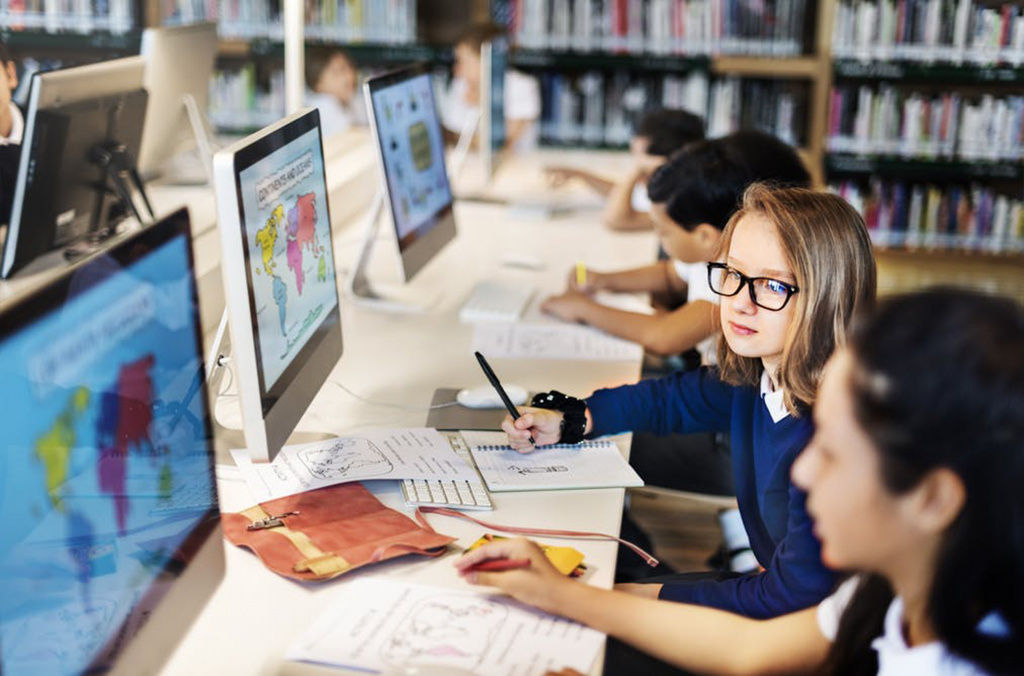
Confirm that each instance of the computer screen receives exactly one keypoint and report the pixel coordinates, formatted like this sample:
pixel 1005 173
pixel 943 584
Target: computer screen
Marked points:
pixel 411 150
pixel 107 489
pixel 493 64
pixel 60 195
pixel 279 274
pixel 179 64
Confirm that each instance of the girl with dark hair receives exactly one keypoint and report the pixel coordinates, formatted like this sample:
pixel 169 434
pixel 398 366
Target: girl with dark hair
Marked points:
pixel 913 480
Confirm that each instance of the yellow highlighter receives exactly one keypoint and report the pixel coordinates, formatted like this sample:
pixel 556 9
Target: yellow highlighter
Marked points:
pixel 581 275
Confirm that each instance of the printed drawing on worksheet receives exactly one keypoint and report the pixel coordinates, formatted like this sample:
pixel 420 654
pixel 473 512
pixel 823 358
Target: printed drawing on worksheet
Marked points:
pixel 449 629
pixel 384 624
pixel 342 457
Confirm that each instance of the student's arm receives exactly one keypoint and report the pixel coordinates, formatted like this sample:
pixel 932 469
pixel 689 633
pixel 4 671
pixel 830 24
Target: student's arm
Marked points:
pixel 795 578
pixel 659 277
pixel 514 130
pixel 558 175
pixel 662 334
pixel 694 401
pixel 619 213
pixel 700 639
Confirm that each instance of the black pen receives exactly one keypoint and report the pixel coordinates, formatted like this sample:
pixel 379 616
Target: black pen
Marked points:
pixel 496 384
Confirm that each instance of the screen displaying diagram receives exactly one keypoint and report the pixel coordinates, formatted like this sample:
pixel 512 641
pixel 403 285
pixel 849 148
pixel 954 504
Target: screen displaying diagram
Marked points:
pixel 288 249
pixel 413 150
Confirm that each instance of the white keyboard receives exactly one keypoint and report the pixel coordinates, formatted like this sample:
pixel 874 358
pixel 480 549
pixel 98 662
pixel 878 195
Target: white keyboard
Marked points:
pixel 452 493
pixel 495 302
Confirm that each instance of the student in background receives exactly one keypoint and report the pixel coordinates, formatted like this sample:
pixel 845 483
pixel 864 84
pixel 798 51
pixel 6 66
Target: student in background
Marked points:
pixel 333 82
pixel 460 104
pixel 795 265
pixel 912 478
pixel 660 133
pixel 693 194
pixel 12 126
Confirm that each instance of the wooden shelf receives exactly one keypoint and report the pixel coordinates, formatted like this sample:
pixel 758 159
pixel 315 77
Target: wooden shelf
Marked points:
pixel 1001 258
pixel 803 68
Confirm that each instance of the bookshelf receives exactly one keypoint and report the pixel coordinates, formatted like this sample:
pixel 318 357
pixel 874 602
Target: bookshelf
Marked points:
pixel 924 136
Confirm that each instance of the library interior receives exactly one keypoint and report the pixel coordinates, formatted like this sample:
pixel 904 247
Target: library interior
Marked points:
pixel 428 350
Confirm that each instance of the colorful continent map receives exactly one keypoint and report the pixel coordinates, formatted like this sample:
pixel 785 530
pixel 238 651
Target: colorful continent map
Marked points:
pixel 300 235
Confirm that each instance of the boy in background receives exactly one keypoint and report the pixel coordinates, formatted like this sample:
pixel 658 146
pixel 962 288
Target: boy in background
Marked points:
pixel 660 133
pixel 460 103
pixel 333 81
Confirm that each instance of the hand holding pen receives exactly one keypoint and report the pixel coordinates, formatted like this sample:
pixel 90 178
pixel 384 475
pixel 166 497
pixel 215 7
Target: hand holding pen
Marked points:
pixel 517 567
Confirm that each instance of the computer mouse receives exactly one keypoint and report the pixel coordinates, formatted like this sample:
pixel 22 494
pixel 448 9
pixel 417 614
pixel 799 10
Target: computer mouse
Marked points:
pixel 486 396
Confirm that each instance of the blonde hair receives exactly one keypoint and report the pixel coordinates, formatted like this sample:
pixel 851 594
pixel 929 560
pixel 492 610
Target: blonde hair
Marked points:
pixel 825 241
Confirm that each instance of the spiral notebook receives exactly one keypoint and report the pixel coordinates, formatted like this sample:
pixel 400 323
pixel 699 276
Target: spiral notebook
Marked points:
pixel 591 464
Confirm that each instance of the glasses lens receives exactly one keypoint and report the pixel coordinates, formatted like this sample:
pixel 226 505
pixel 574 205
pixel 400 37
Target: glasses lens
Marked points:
pixel 725 281
pixel 770 294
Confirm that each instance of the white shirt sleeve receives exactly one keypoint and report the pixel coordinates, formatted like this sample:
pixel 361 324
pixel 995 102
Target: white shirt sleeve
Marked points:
pixel 696 277
pixel 522 96
pixel 831 609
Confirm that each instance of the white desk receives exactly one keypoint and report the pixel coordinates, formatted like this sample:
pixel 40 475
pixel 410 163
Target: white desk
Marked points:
pixel 255 614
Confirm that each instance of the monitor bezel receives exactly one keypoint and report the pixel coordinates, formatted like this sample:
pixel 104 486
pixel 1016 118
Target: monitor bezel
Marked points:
pixel 246 156
pixel 51 89
pixel 267 422
pixel 41 301
pixel 420 246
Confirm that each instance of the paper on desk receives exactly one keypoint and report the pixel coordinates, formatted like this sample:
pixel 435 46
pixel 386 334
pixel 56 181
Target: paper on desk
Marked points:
pixel 551 341
pixel 414 453
pixel 379 624
pixel 591 464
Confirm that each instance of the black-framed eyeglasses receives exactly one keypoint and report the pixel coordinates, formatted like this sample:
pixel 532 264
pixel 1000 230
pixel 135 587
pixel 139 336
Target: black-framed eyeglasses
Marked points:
pixel 771 294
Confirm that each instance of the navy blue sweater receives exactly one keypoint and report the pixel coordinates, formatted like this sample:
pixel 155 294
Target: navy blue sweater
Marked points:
pixel 763 451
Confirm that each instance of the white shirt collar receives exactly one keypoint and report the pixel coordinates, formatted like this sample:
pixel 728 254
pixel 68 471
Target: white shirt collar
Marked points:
pixel 17 127
pixel 773 399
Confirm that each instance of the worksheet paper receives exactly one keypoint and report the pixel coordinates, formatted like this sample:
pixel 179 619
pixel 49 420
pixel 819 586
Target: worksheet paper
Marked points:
pixel 591 464
pixel 383 625
pixel 551 341
pixel 414 453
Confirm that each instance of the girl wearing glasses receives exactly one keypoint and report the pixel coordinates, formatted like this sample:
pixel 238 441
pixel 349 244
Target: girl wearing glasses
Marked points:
pixel 912 477
pixel 795 266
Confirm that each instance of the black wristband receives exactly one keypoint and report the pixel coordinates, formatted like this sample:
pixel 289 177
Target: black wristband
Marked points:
pixel 574 414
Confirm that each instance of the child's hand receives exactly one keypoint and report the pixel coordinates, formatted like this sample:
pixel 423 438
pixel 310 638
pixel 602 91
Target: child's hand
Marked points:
pixel 543 425
pixel 595 281
pixel 532 584
pixel 559 176
pixel 569 306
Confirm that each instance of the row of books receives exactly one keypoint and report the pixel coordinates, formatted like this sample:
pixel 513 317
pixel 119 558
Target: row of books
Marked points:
pixel 697 27
pixel 923 216
pixel 373 21
pixel 599 109
pixel 238 102
pixel 68 16
pixel 888 120
pixel 955 31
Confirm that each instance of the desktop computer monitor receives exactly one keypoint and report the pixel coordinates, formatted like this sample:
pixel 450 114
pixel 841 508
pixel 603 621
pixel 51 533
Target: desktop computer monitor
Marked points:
pixel 111 542
pixel 407 130
pixel 77 120
pixel 179 65
pixel 279 278
pixel 493 64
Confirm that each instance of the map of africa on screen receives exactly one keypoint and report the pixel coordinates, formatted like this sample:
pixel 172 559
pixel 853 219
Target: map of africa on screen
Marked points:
pixel 291 264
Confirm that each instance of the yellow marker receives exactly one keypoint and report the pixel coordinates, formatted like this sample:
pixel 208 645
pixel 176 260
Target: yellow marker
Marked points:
pixel 581 275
